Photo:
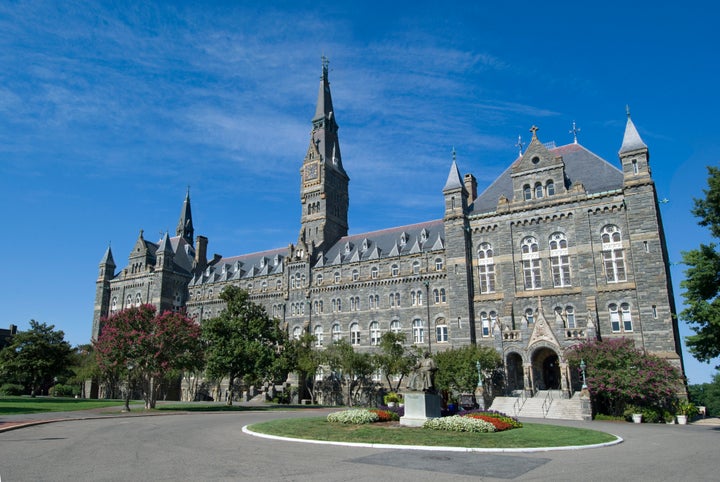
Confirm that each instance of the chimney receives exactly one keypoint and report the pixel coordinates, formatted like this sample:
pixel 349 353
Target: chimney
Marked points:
pixel 471 187
pixel 201 243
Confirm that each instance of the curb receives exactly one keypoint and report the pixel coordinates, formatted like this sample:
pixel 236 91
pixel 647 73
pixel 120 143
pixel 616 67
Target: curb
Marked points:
pixel 617 440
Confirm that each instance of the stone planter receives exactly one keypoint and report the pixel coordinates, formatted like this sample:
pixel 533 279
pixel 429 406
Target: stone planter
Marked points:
pixel 682 419
pixel 637 417
pixel 391 404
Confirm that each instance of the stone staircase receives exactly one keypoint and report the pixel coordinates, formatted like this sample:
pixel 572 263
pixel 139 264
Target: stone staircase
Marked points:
pixel 545 404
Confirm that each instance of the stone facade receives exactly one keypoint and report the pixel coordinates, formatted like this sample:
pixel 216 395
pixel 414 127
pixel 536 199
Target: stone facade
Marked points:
pixel 561 248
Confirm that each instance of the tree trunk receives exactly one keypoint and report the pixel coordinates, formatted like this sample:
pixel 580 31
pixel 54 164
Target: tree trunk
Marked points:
pixel 231 390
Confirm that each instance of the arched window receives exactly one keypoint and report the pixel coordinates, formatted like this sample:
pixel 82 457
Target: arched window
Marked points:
pixel 613 254
pixel 319 336
pixel 278 285
pixel 336 334
pixel 113 305
pixel 538 191
pixel 493 322
pixel 355 275
pixel 439 264
pixel 354 334
pixel 531 263
pixel 297 331
pixel 394 270
pixel 485 323
pixel 395 326
pixel 486 268
pixel 570 316
pixel 337 277
pixel 374 272
pixel 416 267
pixel 559 260
pixel 263 286
pixel 319 279
pixel 529 316
pixel 527 192
pixel 128 301
pixel 418 331
pixel 550 188
pixel 374 333
pixel 138 299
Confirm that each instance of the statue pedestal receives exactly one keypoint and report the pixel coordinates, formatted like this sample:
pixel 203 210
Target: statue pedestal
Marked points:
pixel 480 397
pixel 419 407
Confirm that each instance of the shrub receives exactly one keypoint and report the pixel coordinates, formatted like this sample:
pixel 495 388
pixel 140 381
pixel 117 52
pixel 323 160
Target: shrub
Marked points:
pixel 514 422
pixel 400 411
pixel 392 397
pixel 12 390
pixel 355 416
pixel 61 390
pixel 459 424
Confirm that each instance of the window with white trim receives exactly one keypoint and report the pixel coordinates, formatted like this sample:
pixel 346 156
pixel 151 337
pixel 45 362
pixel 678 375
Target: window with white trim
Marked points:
pixel 416 267
pixel 297 331
pixel 336 277
pixel 486 268
pixel 613 254
pixel 485 324
pixel 439 264
pixel 355 275
pixel 374 333
pixel 441 331
pixel 319 336
pixel 418 331
pixel 374 272
pixel 395 326
pixel 354 334
pixel 531 263
pixel 559 260
pixel 394 270
pixel 336 333
pixel 529 316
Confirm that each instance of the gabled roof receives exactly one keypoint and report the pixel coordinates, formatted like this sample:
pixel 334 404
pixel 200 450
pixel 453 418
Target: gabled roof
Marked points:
pixel 581 166
pixel 386 243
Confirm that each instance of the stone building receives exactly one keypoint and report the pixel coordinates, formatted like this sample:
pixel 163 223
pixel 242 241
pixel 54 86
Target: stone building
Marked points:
pixel 562 247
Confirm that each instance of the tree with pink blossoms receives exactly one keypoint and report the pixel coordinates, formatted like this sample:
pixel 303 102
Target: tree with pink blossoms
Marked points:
pixel 137 344
pixel 618 374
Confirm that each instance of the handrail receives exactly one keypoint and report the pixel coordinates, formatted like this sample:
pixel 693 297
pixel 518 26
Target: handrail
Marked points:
pixel 520 402
pixel 548 401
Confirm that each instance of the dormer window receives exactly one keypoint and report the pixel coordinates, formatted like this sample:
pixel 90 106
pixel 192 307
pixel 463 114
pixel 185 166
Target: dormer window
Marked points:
pixel 423 235
pixel 403 239
pixel 365 244
pixel 348 248
pixel 262 262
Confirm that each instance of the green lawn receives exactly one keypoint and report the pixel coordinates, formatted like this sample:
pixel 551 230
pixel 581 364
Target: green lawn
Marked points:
pixel 531 435
pixel 222 407
pixel 17 405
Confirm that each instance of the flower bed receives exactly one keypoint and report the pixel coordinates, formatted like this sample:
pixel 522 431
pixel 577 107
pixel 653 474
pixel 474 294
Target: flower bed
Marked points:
pixel 512 421
pixel 457 423
pixel 354 416
pixel 385 415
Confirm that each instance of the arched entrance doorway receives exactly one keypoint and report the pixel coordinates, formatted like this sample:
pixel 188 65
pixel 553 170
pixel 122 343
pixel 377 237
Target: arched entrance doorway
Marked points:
pixel 514 367
pixel 546 369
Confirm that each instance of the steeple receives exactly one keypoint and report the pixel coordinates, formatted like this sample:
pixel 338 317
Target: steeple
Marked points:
pixel 185 225
pixel 324 182
pixel 631 139
pixel 107 265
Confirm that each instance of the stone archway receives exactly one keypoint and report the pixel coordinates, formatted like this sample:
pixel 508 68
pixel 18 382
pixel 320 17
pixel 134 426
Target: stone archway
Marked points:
pixel 514 368
pixel 546 369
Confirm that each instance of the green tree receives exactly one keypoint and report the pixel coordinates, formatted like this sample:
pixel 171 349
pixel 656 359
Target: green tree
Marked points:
pixel 306 359
pixel 138 344
pixel 354 369
pixel 619 374
pixel 707 394
pixel 242 342
pixel 394 359
pixel 84 367
pixel 702 278
pixel 34 358
pixel 457 368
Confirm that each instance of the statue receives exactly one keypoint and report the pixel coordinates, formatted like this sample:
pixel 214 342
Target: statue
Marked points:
pixel 422 378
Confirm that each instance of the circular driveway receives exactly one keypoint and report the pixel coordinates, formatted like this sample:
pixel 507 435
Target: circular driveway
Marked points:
pixel 212 446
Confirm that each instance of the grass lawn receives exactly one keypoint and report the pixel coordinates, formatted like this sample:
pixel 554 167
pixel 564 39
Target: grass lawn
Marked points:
pixel 531 435
pixel 222 407
pixel 16 405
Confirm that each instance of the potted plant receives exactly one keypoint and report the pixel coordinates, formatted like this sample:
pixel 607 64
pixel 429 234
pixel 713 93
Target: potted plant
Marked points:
pixel 669 417
pixel 686 410
pixel 391 399
pixel 633 413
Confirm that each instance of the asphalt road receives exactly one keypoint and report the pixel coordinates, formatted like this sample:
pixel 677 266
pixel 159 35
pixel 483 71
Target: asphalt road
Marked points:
pixel 212 446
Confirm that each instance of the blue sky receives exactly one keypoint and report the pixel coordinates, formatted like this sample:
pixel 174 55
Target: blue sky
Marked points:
pixel 108 110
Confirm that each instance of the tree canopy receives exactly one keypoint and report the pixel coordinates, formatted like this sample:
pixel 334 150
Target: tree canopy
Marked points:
pixel 35 357
pixel 242 341
pixel 457 368
pixel 393 359
pixel 137 343
pixel 702 278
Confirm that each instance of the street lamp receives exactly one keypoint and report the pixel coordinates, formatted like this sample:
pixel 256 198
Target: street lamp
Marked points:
pixel 427 302
pixel 582 369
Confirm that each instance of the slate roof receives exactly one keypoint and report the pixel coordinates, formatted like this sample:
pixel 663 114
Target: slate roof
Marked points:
pixel 402 240
pixel 581 166
pixel 243 267
pixel 631 138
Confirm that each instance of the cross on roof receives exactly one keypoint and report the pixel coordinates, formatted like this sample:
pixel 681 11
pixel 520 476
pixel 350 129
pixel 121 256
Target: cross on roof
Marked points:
pixel 574 131
pixel 519 145
pixel 534 130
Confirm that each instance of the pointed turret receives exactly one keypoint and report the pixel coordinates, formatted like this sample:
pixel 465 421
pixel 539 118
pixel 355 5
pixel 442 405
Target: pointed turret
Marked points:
pixel 631 139
pixel 456 196
pixel 324 108
pixel 454 180
pixel 107 265
pixel 185 224
pixel 164 252
pixel 634 154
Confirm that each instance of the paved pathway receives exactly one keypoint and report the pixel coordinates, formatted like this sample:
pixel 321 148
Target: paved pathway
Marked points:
pixel 211 446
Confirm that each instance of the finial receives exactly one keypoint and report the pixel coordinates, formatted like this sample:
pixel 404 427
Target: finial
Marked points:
pixel 534 130
pixel 627 110
pixel 574 131
pixel 325 63
pixel 187 193
pixel 519 145
pixel 453 153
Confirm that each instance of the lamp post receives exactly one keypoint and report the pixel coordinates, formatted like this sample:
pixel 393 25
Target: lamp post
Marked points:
pixel 427 301
pixel 582 369
pixel 130 366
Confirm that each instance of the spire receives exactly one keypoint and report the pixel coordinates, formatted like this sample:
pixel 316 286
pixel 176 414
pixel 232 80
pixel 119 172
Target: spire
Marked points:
pixel 185 224
pixel 631 139
pixel 165 245
pixel 107 259
pixel 324 108
pixel 454 181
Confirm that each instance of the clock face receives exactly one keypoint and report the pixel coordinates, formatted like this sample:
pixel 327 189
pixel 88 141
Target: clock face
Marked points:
pixel 311 171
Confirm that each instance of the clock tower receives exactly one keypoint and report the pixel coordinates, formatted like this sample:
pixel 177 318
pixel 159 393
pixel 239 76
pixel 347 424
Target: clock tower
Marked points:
pixel 323 181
